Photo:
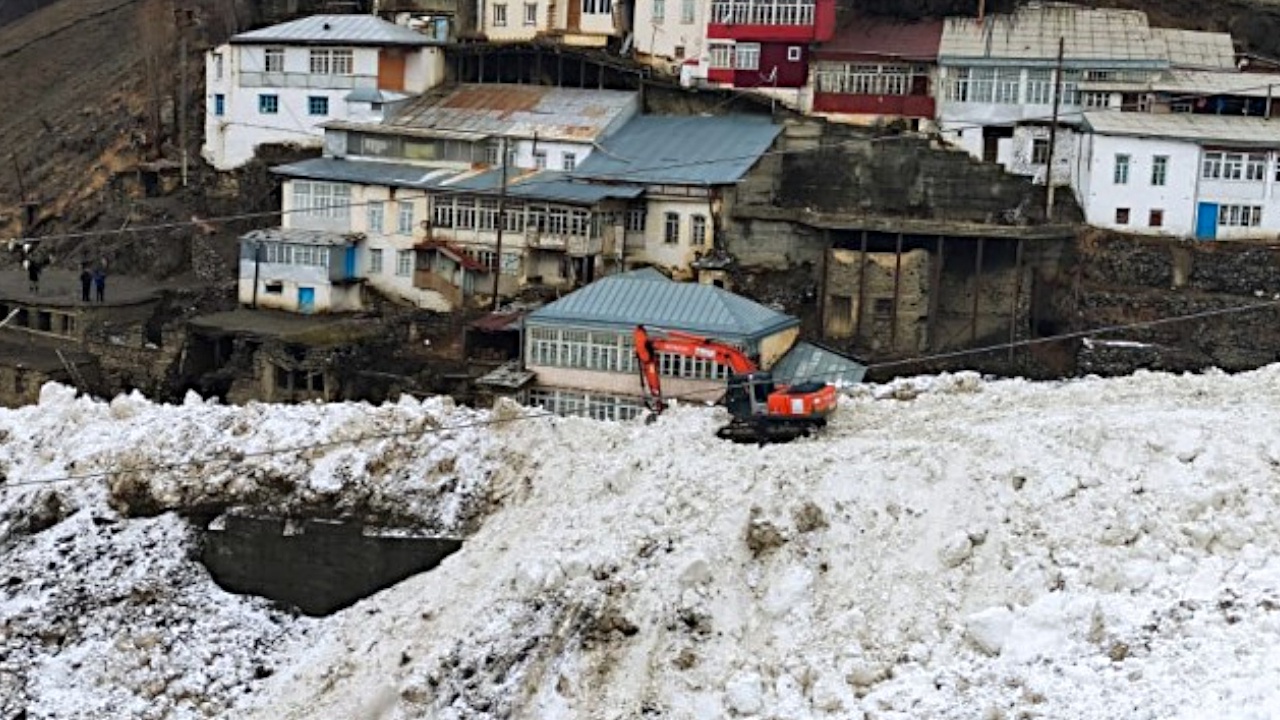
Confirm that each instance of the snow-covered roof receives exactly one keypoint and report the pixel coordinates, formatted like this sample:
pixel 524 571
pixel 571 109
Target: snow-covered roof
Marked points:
pixel 1195 50
pixel 1104 37
pixel 1199 129
pixel 647 297
pixel 334 30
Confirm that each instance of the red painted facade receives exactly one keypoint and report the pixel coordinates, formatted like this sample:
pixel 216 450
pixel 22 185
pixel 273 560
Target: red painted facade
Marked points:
pixel 776 69
pixel 911 106
pixel 822 29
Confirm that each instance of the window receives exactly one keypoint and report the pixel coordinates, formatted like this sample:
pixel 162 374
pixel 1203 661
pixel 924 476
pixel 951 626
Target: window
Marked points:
pixel 720 56
pixel 1122 216
pixel 322 199
pixel 671 229
pixel 375 215
pixel 499 14
pixel 273 60
pixel 1039 151
pixel 404 218
pixel 326 61
pixel 698 230
pixel 635 218
pixel 1039 87
pixel 487 215
pixel 1008 84
pixel 442 212
pixel 686 11
pixel 219 104
pixel 597 7
pixel 530 14
pixel 375 262
pixel 1159 170
pixel 217 66
pixel 1240 215
pixel 568 161
pixel 1095 99
pixel 317 105
pixel 1255 168
pixel 793 53
pixel 747 56
pixel 464 214
pixel 268 104
pixel 1120 175
pixel 540 159
pixel 1155 218
pixel 659 11
pixel 678 51
pixel 870 79
pixel 404 263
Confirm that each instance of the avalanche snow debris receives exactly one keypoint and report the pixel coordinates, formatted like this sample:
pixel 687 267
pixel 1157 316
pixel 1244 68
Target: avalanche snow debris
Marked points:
pixel 991 549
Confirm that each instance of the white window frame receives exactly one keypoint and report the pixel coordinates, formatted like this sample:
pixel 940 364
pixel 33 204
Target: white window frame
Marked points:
pixel 671 228
pixel 688 10
pixel 794 53
pixel 720 56
pixel 273 60
pixel 698 230
pixel 331 61
pixel 313 198
pixel 530 14
pixel 1160 170
pixel 746 56
pixel 568 161
pixel 499 14
pixel 404 218
pixel 540 159
pixel 404 263
pixel 1120 172
pixel 375 217
pixel 659 11
pixel 375 261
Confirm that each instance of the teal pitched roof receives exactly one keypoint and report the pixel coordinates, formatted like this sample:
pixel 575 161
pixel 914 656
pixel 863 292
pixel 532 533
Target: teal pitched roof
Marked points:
pixel 647 297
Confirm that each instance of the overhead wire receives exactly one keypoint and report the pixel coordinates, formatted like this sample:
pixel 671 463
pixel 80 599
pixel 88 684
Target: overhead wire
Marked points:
pixel 231 457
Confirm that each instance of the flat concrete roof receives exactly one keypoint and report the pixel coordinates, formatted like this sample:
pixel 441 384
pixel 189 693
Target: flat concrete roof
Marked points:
pixel 315 330
pixel 60 288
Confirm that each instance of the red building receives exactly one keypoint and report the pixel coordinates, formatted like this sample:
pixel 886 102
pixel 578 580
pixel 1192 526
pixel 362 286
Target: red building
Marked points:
pixel 878 69
pixel 765 43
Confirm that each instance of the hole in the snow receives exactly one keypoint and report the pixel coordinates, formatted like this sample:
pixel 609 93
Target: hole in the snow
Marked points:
pixel 317 566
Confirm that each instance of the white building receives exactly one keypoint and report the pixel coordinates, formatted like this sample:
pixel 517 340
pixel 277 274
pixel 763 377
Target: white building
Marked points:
pixel 545 128
pixel 997 77
pixel 302 271
pixel 669 33
pixel 1181 174
pixel 280 83
pixel 585 23
pixel 688 167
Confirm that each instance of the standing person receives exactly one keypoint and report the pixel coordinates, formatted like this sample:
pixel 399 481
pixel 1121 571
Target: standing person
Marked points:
pixel 100 283
pixel 33 275
pixel 86 279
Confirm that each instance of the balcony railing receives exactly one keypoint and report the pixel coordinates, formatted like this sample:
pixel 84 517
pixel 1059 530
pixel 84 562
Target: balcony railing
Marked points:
pixel 306 80
pixel 762 12
pixel 572 244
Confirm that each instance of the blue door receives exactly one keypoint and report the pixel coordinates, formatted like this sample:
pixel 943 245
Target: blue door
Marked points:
pixel 350 263
pixel 1207 221
pixel 306 300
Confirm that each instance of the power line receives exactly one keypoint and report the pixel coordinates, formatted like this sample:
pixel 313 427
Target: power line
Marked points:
pixel 235 457
pixel 535 181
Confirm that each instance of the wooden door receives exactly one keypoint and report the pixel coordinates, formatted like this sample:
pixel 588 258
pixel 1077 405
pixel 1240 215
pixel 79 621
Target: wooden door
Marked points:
pixel 575 15
pixel 391 69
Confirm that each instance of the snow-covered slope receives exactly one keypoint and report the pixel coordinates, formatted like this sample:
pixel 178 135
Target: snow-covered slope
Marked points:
pixel 1100 548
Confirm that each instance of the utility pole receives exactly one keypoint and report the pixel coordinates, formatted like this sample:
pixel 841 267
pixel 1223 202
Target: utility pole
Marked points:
pixel 502 222
pixel 183 18
pixel 1053 132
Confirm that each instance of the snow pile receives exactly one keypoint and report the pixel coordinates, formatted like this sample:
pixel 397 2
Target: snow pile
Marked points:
pixel 104 612
pixel 1101 548
pixel 947 548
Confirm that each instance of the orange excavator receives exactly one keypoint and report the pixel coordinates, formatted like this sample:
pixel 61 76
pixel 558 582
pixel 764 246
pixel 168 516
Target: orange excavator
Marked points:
pixel 763 411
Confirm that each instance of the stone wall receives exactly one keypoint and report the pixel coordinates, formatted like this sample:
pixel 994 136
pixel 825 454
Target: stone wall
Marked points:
pixel 880 301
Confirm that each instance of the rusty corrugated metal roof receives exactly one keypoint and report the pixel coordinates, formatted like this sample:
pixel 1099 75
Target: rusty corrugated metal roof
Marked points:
pixel 550 113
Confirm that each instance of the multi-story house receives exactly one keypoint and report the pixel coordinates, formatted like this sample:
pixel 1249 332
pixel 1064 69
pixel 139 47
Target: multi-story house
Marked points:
pixel 585 23
pixel 1181 174
pixel 672 35
pixel 281 83
pixel 877 71
pixel 544 128
pixel 765 44
pixel 581 352
pixel 687 168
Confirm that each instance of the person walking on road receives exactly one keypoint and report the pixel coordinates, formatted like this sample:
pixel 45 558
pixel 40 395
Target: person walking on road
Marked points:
pixel 100 283
pixel 86 280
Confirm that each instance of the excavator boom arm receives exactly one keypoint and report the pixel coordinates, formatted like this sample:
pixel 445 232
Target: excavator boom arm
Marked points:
pixel 685 345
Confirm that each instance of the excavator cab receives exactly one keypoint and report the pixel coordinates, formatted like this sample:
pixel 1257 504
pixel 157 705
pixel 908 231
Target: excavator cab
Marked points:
pixel 747 394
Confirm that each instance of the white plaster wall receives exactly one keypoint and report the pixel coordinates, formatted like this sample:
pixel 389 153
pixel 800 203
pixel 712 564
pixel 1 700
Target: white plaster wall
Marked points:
pixel 515 30
pixel 674 257
pixel 659 39
pixel 1017 158
pixel 424 69
pixel 1177 198
pixel 231 140
pixel 327 297
pixel 555 150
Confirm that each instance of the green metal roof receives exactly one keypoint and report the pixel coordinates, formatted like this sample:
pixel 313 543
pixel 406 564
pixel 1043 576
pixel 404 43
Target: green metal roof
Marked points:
pixel 647 297
pixel 806 362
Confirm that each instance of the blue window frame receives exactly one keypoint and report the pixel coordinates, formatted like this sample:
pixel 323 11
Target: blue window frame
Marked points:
pixel 219 104
pixel 268 104
pixel 317 105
